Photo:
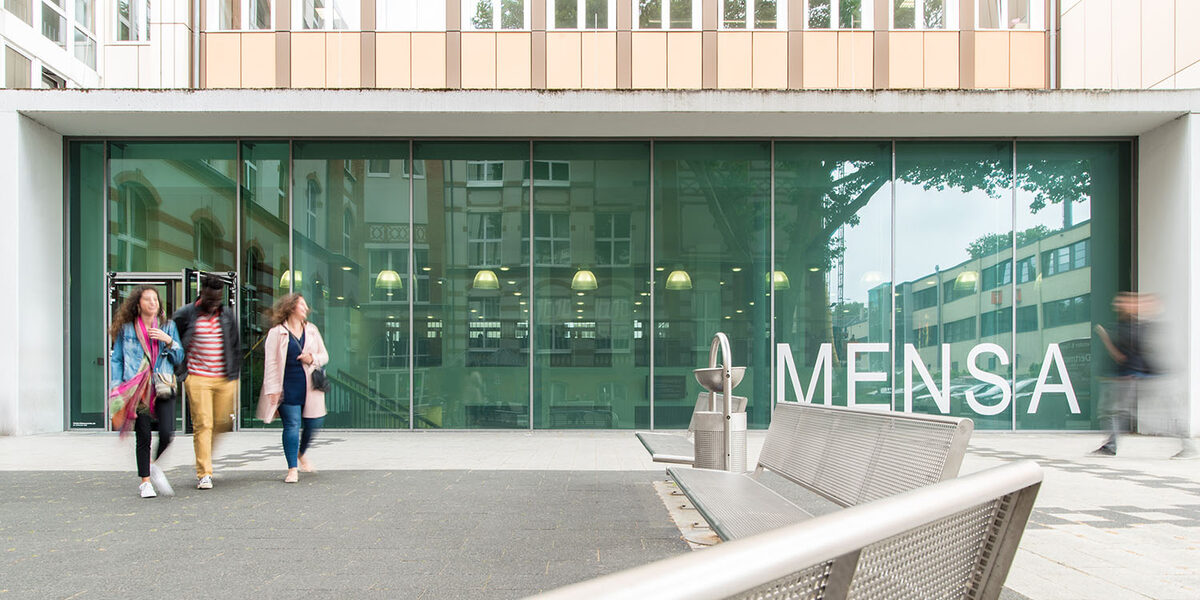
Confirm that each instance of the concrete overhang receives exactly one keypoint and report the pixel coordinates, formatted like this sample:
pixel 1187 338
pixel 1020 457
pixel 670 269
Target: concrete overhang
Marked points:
pixel 599 114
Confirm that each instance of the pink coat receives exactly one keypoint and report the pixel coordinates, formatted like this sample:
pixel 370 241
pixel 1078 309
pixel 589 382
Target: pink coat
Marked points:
pixel 276 353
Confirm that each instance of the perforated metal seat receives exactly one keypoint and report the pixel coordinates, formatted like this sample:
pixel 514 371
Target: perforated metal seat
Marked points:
pixel 737 506
pixel 668 448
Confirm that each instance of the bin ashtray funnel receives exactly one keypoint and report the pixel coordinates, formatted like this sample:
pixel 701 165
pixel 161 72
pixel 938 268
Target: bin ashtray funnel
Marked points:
pixel 711 377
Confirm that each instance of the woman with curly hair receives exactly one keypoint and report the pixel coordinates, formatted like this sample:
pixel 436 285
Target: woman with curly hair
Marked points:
pixel 294 349
pixel 146 349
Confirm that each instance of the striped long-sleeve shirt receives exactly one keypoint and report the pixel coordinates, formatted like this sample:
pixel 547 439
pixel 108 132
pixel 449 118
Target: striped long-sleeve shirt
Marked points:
pixel 206 356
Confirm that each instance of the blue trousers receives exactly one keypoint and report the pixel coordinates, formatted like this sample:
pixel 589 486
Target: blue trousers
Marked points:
pixel 296 443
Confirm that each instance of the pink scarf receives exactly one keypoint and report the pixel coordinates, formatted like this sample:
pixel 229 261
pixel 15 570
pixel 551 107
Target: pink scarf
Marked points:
pixel 139 389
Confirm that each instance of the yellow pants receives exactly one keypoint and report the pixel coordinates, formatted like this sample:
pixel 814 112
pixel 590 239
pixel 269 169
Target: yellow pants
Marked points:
pixel 210 402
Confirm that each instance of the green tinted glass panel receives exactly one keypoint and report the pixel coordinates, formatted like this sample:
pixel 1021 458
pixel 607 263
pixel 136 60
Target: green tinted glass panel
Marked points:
pixel 591 285
pixel 953 221
pixel 1072 259
pixel 712 249
pixel 351 238
pixel 832 287
pixel 264 255
pixel 89 345
pixel 472 333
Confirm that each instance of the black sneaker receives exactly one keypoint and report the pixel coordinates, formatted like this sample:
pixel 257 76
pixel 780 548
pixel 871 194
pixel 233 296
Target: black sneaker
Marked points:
pixel 1103 451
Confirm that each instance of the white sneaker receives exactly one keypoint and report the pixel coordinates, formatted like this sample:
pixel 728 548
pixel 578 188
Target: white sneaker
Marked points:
pixel 146 490
pixel 205 483
pixel 160 481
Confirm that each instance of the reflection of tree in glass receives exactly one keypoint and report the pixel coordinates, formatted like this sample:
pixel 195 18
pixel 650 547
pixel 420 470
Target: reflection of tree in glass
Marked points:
pixel 650 14
pixel 566 14
pixel 818 14
pixel 987 245
pixel 851 14
pixel 935 14
pixel 735 14
pixel 764 14
pixel 681 14
pixel 512 14
pixel 483 15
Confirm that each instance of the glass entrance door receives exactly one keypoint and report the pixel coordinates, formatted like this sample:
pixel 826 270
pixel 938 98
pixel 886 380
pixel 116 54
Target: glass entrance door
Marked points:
pixel 171 293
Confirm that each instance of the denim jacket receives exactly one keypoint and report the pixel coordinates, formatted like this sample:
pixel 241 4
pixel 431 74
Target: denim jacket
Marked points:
pixel 127 353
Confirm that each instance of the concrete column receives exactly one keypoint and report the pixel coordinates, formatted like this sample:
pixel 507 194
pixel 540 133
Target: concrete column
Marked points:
pixel 31 312
pixel 1168 264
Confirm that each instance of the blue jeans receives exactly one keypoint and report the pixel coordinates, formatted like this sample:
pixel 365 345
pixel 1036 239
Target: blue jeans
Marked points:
pixel 296 443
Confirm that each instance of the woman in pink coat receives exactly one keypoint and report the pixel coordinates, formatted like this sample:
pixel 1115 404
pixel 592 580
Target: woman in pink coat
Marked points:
pixel 294 349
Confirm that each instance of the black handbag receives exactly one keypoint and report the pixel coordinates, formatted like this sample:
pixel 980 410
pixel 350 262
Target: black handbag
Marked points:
pixel 320 381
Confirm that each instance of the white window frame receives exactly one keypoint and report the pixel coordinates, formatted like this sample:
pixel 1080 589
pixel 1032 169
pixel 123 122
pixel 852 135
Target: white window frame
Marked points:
pixel 351 25
pixel 486 181
pixel 386 172
pixel 88 29
pixel 64 23
pixel 557 237
pixel 868 17
pixel 467 8
pixel 82 31
pixel 139 26
pixel 384 7
pixel 1037 16
pixel 781 16
pixel 486 240
pixel 612 237
pixel 919 16
pixel 665 17
pixel 213 16
pixel 581 18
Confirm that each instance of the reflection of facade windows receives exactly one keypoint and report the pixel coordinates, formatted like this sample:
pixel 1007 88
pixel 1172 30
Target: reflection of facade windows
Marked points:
pixel 754 14
pixel 379 167
pixel 410 15
pixel 131 217
pixel 612 239
pixel 997 275
pixel 484 324
pixel 1027 319
pixel 838 14
pixel 549 171
pixel 204 244
pixel 1009 14
pixel 421 264
pixel 312 195
pixel 326 14
pixel 491 15
pixel 925 298
pixel 924 14
pixel 1067 311
pixel 677 14
pixel 960 331
pixel 485 172
pixel 955 290
pixel 233 15
pixel 483 239
pixel 582 14
pixel 347 232
pixel 1026 269
pixel 995 322
pixel 924 337
pixel 132 21
pixel 1066 258
pixel 552 239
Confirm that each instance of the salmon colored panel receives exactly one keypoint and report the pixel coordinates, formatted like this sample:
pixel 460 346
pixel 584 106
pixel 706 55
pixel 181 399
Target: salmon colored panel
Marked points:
pixel 906 60
pixel 941 59
pixel 735 52
pixel 1187 39
pixel 856 60
pixel 514 62
pixel 770 60
pixel 991 59
pixel 428 60
pixel 649 60
pixel 599 62
pixel 222 60
pixel 1027 62
pixel 820 59
pixel 308 59
pixel 258 60
pixel 684 65
pixel 1158 40
pixel 563 58
pixel 393 60
pixel 343 64
pixel 1073 44
pixel 478 60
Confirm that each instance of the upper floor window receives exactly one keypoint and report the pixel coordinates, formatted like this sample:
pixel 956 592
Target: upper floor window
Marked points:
pixel 492 15
pixel 549 172
pixel 326 14
pixel 54 22
pixel 410 15
pixel 838 14
pixel 1009 14
pixel 85 14
pixel 1026 269
pixel 16 69
pixel 234 15
pixel 667 14
pixel 19 9
pixel 754 14
pixel 85 48
pixel 1066 258
pixel 582 14
pixel 132 21
pixel 924 14
pixel 485 172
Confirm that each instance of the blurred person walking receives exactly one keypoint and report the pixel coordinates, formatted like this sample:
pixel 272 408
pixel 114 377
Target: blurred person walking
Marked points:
pixel 146 350
pixel 214 362
pixel 293 380
pixel 1126 347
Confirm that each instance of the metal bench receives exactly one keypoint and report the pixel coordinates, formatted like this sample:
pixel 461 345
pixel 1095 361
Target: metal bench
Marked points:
pixel 953 540
pixel 836 456
pixel 677 448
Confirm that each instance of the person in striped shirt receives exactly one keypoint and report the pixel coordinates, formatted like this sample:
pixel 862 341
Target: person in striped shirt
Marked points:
pixel 209 332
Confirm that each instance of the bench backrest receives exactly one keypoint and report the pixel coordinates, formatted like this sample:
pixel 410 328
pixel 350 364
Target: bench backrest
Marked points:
pixel 854 455
pixel 955 540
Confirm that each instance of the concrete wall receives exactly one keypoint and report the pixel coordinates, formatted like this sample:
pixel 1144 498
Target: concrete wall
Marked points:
pixel 31 237
pixel 1169 266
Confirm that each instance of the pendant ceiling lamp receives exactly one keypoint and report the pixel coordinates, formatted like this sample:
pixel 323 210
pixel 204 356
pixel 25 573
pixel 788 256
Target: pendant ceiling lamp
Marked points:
pixel 780 281
pixel 486 279
pixel 389 280
pixel 679 280
pixel 584 280
pixel 286 281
